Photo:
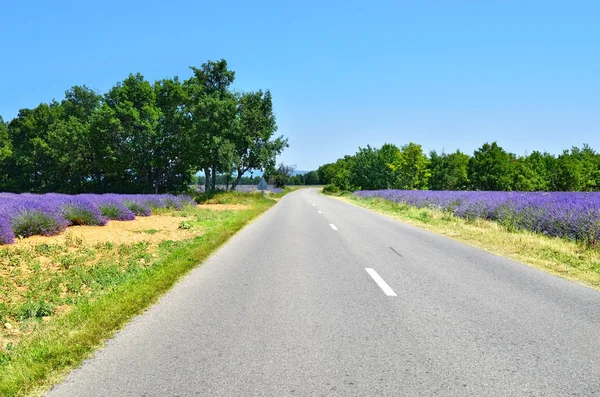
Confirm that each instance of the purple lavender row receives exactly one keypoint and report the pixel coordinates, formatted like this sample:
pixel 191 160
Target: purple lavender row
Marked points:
pixel 49 214
pixel 573 215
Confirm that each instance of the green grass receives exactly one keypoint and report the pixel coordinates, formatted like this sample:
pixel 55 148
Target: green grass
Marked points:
pixel 67 313
pixel 562 257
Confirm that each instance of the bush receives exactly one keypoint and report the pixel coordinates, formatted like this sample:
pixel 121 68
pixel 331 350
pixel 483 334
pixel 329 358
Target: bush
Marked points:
pixel 7 236
pixel 331 189
pixel 137 208
pixel 35 222
pixel 116 211
pixel 78 214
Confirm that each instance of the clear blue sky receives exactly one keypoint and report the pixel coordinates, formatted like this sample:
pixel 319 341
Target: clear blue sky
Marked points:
pixel 446 74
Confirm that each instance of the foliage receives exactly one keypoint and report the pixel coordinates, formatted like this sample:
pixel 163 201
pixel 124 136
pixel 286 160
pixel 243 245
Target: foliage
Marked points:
pixel 491 168
pixel 141 137
pixel 331 189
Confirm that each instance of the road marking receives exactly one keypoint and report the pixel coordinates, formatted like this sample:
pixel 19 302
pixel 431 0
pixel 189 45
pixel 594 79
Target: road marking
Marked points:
pixel 333 226
pixel 319 212
pixel 382 284
pixel 313 205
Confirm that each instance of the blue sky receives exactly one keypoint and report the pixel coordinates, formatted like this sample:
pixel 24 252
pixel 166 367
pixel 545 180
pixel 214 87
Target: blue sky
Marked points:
pixel 445 74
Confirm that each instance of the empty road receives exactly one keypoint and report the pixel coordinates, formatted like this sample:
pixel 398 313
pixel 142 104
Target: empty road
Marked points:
pixel 321 298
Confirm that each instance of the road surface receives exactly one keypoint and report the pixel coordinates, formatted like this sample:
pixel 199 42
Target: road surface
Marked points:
pixel 321 298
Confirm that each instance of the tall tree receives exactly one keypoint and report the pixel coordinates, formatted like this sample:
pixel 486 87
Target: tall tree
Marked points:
pixel 254 147
pixel 211 110
pixel 449 171
pixel 5 155
pixel 412 168
pixel 491 168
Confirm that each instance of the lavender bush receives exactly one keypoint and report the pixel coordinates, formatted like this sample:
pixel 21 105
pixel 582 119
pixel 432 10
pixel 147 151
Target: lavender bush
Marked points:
pixel 48 214
pixel 574 215
pixel 7 236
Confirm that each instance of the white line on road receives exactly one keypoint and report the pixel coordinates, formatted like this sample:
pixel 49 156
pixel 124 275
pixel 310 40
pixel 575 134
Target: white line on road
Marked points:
pixel 319 212
pixel 382 284
pixel 313 205
pixel 333 226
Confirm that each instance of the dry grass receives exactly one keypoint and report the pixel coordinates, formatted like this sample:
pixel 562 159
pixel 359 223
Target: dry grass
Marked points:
pixel 558 256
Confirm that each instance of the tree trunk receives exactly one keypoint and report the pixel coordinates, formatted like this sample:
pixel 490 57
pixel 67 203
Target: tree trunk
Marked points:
pixel 237 179
pixel 214 178
pixel 206 180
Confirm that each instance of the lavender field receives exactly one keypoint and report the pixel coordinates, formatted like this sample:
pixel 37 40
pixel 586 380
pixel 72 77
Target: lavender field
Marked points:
pixel 24 215
pixel 572 215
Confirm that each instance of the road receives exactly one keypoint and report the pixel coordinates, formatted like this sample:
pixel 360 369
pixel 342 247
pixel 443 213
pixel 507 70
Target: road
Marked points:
pixel 288 308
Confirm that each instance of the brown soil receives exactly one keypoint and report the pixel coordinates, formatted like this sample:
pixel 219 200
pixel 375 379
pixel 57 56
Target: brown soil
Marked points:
pixel 152 229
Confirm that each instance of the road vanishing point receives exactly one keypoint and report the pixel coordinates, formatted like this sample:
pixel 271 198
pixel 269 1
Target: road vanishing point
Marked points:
pixel 318 297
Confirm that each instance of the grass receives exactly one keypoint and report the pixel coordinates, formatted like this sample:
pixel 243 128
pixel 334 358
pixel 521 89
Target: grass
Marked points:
pixel 559 256
pixel 62 301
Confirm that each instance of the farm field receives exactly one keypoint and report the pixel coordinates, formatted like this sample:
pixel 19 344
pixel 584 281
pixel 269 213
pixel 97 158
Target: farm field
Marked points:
pixel 555 232
pixel 573 215
pixel 77 286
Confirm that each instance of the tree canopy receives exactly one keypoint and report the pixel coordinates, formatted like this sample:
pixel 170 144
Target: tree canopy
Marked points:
pixel 489 168
pixel 141 136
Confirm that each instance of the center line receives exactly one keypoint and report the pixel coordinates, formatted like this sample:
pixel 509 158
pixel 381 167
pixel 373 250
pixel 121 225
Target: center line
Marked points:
pixel 313 205
pixel 333 226
pixel 382 284
pixel 319 212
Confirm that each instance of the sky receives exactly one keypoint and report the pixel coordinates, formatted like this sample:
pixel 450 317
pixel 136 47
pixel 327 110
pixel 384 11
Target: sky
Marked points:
pixel 344 74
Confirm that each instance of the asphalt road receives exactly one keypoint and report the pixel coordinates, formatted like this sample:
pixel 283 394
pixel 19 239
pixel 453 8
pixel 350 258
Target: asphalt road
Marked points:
pixel 288 308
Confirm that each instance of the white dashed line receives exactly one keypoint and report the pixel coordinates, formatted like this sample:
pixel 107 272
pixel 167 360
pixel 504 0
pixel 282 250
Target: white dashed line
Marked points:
pixel 382 284
pixel 333 226
pixel 319 212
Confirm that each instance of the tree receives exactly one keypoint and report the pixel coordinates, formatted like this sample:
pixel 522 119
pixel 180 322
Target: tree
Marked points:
pixel 280 176
pixel 311 178
pixel 412 167
pixel 254 147
pixel 5 154
pixel 491 168
pixel 449 171
pixel 577 170
pixel 212 111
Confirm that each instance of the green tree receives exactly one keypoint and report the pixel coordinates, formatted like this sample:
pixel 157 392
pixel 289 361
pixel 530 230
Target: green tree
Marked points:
pixel 5 154
pixel 311 178
pixel 449 171
pixel 491 168
pixel 412 167
pixel 212 109
pixel 254 146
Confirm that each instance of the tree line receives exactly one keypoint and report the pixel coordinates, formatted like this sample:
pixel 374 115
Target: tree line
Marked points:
pixel 141 137
pixel 489 168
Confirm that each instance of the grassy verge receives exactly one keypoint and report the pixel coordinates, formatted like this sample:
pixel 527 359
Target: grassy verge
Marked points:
pixel 95 290
pixel 558 256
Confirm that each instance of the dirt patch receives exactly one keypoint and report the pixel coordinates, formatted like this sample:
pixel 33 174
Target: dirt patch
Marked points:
pixel 223 207
pixel 152 229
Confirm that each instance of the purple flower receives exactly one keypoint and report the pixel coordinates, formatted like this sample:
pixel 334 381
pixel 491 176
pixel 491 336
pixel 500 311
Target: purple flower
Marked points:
pixel 6 234
pixel 573 215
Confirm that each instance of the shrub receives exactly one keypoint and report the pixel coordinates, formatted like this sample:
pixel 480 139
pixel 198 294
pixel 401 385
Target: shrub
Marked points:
pixel 7 236
pixel 82 212
pixel 116 211
pixel 137 208
pixel 331 189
